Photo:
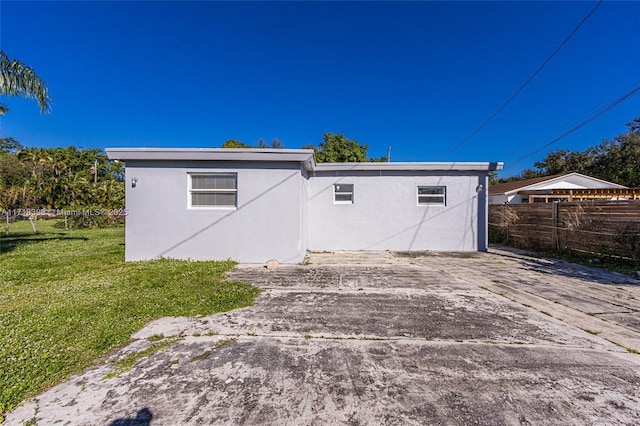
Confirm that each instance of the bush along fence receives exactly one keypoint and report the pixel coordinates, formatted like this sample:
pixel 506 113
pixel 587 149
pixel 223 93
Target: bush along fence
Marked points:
pixel 591 228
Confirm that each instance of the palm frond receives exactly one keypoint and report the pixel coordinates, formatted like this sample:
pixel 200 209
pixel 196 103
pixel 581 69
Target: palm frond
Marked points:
pixel 17 79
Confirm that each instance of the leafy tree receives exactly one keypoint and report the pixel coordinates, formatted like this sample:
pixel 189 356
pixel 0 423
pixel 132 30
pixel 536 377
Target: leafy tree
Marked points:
pixel 530 174
pixel 276 144
pixel 382 159
pixel 232 143
pixel 618 160
pixel 17 79
pixel 338 149
pixel 12 171
pixel 564 161
pixel 9 145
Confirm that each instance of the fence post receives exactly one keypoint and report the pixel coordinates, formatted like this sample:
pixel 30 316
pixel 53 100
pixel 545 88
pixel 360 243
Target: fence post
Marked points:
pixel 554 224
pixel 505 224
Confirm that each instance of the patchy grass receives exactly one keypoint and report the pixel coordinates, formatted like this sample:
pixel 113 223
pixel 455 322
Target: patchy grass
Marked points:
pixel 67 298
pixel 203 355
pixel 630 350
pixel 224 342
pixel 125 364
pixel 156 338
pixel 32 422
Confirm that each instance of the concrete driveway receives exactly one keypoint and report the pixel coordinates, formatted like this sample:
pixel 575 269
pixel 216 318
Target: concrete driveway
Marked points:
pixel 384 338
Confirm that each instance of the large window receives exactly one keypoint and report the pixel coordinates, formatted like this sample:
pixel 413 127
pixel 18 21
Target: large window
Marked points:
pixel 213 190
pixel 343 193
pixel 432 195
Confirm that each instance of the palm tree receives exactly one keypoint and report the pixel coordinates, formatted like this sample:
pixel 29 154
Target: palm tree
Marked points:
pixel 17 79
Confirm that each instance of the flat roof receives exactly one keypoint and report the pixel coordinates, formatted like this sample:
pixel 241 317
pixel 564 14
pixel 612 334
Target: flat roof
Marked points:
pixel 427 166
pixel 303 156
pixel 208 154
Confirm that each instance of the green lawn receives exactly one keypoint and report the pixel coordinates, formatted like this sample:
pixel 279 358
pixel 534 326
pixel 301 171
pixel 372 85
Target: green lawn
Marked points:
pixel 68 298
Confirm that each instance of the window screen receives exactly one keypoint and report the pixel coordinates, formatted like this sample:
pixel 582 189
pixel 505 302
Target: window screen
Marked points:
pixel 431 195
pixel 343 193
pixel 213 190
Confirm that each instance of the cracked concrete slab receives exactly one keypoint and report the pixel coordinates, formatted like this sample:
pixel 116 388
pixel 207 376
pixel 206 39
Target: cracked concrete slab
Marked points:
pixel 382 338
pixel 258 380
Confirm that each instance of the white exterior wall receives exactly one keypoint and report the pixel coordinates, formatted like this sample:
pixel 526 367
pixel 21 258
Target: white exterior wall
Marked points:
pixel 269 222
pixel 515 199
pixel 498 199
pixel 502 199
pixel 304 185
pixel 385 214
pixel 575 182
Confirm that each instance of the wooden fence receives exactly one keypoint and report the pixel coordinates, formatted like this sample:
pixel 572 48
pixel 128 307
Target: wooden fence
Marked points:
pixel 602 228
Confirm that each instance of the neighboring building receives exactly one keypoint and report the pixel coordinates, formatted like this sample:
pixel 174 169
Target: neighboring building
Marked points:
pixel 252 205
pixel 545 189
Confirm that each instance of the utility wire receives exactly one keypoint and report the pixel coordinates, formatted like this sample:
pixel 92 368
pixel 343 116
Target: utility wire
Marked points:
pixel 525 84
pixel 582 124
pixel 573 122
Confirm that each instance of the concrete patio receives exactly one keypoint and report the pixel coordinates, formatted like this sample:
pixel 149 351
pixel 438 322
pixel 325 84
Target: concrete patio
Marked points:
pixel 384 338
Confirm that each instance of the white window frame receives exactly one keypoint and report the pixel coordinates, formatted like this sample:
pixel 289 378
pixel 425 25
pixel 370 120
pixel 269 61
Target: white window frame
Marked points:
pixel 434 195
pixel 336 191
pixel 191 191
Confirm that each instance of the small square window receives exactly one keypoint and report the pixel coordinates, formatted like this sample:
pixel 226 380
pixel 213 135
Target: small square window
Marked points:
pixel 432 195
pixel 343 193
pixel 213 190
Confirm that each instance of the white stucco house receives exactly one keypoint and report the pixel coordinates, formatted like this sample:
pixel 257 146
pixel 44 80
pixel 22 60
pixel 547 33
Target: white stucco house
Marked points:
pixel 252 205
pixel 542 188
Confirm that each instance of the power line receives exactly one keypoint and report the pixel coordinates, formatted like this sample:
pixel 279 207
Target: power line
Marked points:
pixel 525 84
pixel 582 124
pixel 507 158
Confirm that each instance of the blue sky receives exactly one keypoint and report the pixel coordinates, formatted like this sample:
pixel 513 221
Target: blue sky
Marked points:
pixel 416 76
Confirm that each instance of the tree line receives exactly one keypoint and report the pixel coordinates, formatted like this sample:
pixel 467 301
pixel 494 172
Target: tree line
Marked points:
pixel 334 148
pixel 59 179
pixel 615 160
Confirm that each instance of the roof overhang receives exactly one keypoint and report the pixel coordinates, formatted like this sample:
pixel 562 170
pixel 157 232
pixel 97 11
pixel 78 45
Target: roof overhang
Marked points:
pixel 209 154
pixel 303 156
pixel 526 189
pixel 400 166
